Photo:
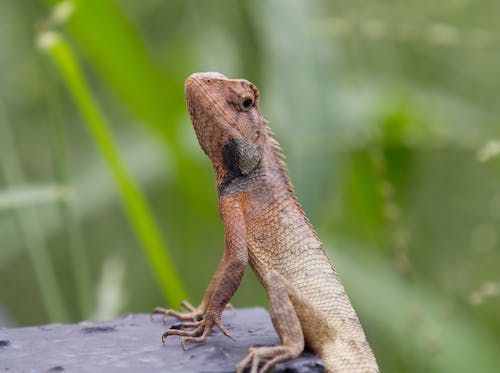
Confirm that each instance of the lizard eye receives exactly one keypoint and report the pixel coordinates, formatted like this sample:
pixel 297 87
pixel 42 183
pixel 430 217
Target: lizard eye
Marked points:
pixel 246 103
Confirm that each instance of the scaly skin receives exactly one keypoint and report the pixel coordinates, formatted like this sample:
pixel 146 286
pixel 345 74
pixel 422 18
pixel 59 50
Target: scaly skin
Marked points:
pixel 266 228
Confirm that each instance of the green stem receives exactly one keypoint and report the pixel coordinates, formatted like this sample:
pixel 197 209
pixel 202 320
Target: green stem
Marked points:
pixel 135 203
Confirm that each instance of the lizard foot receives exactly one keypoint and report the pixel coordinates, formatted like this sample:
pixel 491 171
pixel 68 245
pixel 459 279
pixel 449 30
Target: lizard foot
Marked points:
pixel 192 314
pixel 200 330
pixel 275 354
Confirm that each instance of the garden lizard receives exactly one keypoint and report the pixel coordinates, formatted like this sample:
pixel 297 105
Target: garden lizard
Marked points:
pixel 266 228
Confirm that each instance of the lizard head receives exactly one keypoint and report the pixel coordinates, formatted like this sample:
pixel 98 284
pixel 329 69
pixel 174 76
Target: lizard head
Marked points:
pixel 227 121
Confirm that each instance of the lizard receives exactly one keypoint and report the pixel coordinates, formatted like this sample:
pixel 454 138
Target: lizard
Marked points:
pixel 266 228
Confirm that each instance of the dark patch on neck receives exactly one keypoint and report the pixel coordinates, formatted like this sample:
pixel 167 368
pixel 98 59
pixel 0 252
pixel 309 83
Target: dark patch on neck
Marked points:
pixel 227 181
pixel 231 157
pixel 241 160
pixel 235 183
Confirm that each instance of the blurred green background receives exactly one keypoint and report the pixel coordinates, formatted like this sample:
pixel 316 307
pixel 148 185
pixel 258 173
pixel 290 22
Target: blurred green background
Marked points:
pixel 388 113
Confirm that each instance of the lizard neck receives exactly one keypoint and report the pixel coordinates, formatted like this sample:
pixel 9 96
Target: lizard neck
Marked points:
pixel 270 173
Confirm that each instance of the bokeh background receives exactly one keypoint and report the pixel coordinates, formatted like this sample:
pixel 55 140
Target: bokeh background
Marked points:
pixel 388 113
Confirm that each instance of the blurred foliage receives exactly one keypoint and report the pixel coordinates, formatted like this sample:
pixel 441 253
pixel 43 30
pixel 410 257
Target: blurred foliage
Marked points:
pixel 388 114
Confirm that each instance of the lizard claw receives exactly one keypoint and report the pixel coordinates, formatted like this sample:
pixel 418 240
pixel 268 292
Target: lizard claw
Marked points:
pixel 223 329
pixel 188 306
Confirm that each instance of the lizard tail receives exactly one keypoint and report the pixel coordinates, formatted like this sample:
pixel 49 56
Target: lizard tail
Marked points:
pixel 348 353
pixel 340 356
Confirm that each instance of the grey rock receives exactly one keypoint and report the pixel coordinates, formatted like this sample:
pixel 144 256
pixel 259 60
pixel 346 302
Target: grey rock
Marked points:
pixel 133 344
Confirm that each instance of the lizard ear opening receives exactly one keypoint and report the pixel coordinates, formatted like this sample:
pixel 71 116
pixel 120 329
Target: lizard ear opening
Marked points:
pixel 240 156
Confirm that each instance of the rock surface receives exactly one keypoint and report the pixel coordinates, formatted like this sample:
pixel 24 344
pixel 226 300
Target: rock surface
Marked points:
pixel 133 344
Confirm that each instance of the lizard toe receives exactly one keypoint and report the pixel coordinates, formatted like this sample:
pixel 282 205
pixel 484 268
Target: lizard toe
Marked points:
pixel 275 354
pixel 182 333
pixel 193 314
pixel 199 339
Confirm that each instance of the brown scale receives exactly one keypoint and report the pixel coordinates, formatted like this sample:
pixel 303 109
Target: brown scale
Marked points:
pixel 266 228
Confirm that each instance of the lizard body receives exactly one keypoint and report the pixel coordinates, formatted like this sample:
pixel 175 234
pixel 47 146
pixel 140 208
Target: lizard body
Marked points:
pixel 266 228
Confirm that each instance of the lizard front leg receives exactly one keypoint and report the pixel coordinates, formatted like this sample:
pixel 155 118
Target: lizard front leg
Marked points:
pixel 194 313
pixel 228 277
